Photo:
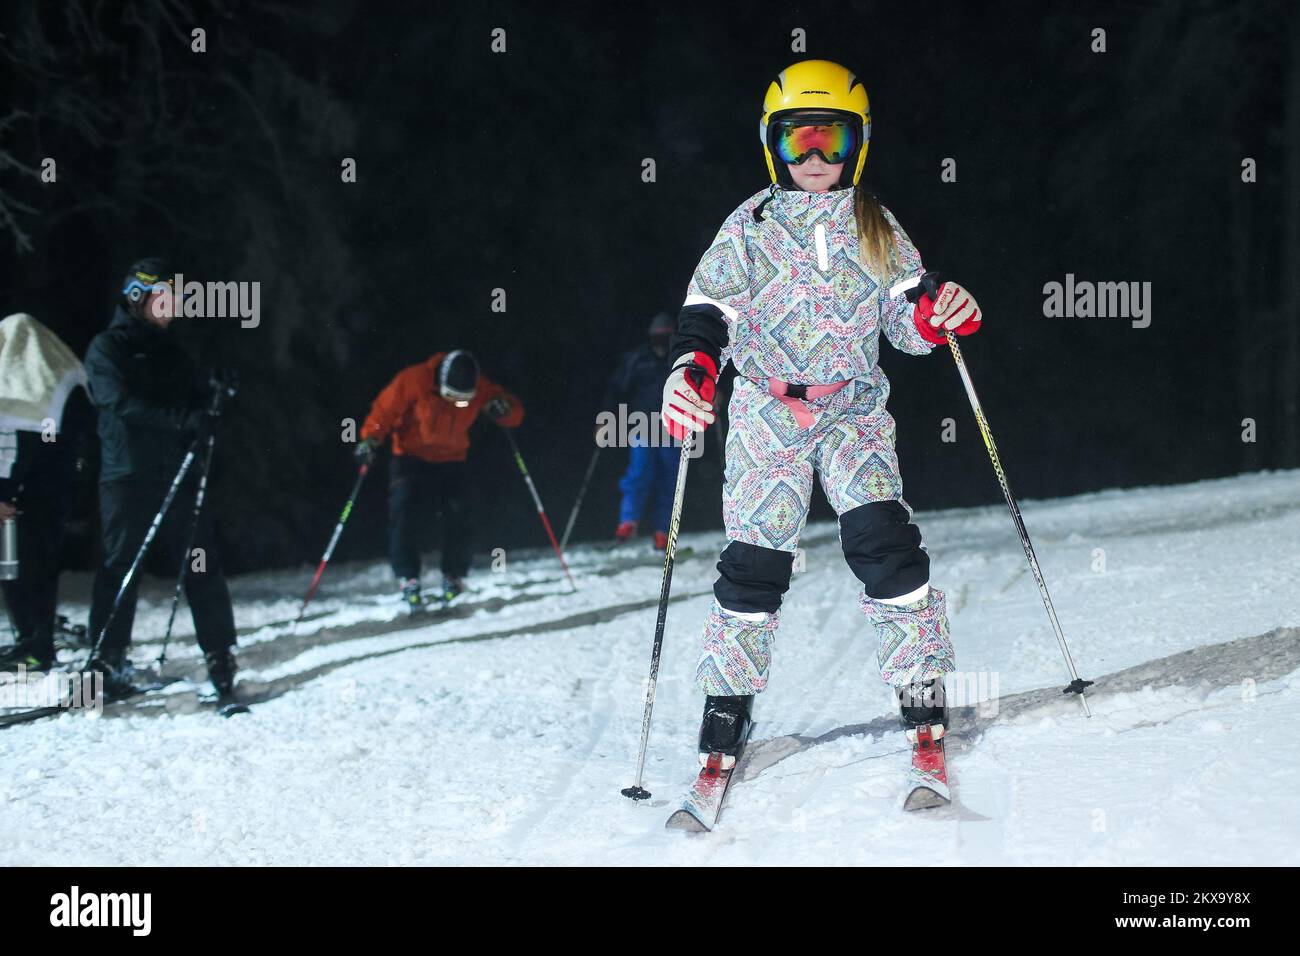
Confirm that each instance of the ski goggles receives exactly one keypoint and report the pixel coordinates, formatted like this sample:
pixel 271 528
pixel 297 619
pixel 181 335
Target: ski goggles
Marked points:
pixel 142 285
pixel 832 138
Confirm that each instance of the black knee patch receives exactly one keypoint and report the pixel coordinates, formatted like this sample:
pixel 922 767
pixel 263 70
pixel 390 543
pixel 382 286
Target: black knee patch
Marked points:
pixel 751 578
pixel 884 550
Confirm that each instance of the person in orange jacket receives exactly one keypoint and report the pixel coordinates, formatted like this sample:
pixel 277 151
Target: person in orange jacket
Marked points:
pixel 428 410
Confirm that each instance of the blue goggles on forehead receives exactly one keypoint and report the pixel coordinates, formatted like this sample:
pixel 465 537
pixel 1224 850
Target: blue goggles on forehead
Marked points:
pixel 141 286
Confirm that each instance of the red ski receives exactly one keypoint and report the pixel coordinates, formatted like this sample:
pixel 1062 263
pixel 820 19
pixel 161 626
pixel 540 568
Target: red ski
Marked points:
pixel 927 780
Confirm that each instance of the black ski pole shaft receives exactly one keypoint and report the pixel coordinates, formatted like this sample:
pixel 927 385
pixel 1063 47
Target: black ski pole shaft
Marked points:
pixel 189 546
pixel 334 540
pixel 152 533
pixel 637 791
pixel 582 492
pixel 537 500
pixel 1077 684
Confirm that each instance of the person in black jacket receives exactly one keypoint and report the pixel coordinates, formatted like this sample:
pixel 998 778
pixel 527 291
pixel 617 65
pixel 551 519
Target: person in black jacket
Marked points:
pixel 152 406
pixel 39 454
pixel 638 382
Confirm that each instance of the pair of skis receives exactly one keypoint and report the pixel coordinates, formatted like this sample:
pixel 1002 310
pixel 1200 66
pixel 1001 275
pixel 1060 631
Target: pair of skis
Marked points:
pixel 926 788
pixel 221 706
pixel 147 691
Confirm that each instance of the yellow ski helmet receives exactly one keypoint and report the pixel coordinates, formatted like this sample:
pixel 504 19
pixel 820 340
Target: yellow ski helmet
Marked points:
pixel 816 85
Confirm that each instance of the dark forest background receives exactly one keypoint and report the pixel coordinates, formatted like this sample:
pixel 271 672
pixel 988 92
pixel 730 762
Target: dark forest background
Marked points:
pixel 522 171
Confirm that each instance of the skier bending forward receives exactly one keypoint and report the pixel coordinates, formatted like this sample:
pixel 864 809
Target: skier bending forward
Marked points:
pixel 795 290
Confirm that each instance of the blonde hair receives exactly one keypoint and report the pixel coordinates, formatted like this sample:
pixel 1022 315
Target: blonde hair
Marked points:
pixel 876 248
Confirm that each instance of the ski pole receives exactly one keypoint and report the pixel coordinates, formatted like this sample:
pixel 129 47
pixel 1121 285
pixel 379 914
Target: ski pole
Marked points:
pixel 1077 684
pixel 541 512
pixel 637 791
pixel 334 540
pixel 582 491
pixel 144 546
pixel 189 545
pixel 224 385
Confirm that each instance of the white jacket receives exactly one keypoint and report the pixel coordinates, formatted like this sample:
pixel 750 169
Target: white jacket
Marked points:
pixel 37 374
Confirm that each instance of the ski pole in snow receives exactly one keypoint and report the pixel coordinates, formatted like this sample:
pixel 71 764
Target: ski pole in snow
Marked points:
pixel 334 540
pixel 152 533
pixel 637 791
pixel 224 385
pixel 1077 684
pixel 189 546
pixel 541 512
pixel 582 491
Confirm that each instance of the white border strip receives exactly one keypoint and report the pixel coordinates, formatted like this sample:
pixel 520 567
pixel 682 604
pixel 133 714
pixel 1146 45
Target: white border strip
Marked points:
pixel 909 597
pixel 899 288
pixel 722 307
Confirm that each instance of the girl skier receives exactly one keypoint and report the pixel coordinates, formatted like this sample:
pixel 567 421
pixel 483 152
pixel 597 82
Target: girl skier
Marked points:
pixel 795 291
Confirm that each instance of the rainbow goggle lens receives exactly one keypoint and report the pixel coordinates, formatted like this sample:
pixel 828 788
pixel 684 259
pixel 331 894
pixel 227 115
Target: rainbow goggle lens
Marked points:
pixel 833 139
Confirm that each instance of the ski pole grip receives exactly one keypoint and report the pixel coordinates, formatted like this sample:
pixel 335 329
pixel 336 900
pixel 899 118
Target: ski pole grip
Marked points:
pixel 931 283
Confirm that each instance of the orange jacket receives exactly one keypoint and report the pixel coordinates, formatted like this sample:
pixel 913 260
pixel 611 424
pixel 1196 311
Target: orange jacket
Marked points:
pixel 423 423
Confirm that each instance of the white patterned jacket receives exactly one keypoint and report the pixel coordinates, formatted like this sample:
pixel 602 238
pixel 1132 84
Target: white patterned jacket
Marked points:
pixel 797 301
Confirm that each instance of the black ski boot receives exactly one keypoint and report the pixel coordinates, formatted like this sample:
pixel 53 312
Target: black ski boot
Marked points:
pixel 116 671
pixel 923 703
pixel 411 595
pixel 725 727
pixel 221 671
pixel 24 655
pixel 451 589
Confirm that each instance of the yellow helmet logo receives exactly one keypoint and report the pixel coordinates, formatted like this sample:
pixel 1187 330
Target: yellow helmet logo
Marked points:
pixel 816 84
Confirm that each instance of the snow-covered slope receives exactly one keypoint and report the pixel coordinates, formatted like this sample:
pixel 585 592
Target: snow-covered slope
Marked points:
pixel 503 732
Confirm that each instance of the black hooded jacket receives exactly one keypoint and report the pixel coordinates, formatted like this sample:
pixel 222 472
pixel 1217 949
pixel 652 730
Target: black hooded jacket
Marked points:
pixel 149 396
pixel 638 380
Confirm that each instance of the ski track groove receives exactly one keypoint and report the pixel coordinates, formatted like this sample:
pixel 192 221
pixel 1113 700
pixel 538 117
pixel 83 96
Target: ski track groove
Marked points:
pixel 253 691
pixel 833 671
pixel 599 717
pixel 832 674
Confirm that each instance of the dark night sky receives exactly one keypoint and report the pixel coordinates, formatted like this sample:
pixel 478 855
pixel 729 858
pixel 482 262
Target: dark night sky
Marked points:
pixel 522 171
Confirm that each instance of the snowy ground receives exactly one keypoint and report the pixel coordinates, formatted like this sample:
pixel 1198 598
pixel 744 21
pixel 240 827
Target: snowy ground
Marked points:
pixel 503 732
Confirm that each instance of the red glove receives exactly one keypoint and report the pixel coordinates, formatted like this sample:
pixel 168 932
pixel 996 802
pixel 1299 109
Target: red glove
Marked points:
pixel 955 311
pixel 688 394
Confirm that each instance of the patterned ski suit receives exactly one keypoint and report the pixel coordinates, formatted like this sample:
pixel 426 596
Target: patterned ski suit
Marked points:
pixel 800 309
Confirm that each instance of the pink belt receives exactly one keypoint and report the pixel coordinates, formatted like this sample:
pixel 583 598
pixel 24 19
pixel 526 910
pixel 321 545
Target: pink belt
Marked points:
pixel 793 397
